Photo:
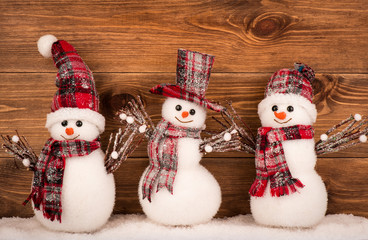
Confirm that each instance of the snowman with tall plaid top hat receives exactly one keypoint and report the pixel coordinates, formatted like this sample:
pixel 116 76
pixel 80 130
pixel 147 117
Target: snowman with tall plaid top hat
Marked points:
pixel 175 188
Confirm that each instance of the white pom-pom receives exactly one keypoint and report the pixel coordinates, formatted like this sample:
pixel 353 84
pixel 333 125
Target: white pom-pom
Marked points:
pixel 324 137
pixel 208 148
pixel 15 138
pixel 357 117
pixel 114 155
pixel 123 116
pixel 227 137
pixel 142 128
pixel 26 162
pixel 44 45
pixel 363 138
pixel 130 119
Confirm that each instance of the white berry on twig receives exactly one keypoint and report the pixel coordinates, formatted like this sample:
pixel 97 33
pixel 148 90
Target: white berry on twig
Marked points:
pixel 114 155
pixel 208 148
pixel 26 162
pixel 15 138
pixel 130 119
pixel 227 137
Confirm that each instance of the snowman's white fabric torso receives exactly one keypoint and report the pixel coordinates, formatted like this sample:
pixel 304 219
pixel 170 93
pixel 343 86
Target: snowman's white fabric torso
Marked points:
pixel 304 208
pixel 88 195
pixel 196 197
pixel 196 194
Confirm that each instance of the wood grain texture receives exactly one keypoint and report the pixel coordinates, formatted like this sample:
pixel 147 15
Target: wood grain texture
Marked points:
pixel 132 45
pixel 343 179
pixel 143 36
pixel 25 100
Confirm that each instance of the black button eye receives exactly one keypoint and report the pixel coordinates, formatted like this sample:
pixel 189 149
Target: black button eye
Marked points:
pixel 290 108
pixel 79 123
pixel 275 108
pixel 64 123
pixel 178 107
pixel 192 111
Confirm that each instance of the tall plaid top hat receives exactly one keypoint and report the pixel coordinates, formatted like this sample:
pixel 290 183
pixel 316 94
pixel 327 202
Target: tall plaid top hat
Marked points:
pixel 76 97
pixel 292 83
pixel 192 77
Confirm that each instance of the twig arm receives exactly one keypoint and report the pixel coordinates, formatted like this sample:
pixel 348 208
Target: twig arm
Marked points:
pixel 122 144
pixel 20 149
pixel 355 132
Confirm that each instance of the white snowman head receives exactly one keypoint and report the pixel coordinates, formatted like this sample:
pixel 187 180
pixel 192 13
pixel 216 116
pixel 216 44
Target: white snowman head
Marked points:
pixel 74 109
pixel 284 110
pixel 183 113
pixel 74 129
pixel 288 98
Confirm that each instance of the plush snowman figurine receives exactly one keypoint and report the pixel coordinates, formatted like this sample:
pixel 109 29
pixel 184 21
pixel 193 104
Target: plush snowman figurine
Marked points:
pixel 175 188
pixel 287 191
pixel 71 189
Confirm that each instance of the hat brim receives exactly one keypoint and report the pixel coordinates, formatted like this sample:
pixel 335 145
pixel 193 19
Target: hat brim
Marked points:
pixel 175 91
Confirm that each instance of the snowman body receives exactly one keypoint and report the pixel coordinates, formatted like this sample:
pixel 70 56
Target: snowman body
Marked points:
pixel 307 206
pixel 88 192
pixel 304 208
pixel 88 195
pixel 196 194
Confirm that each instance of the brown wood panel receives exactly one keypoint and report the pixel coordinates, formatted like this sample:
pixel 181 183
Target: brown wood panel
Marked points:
pixel 143 36
pixel 132 45
pixel 348 193
pixel 25 100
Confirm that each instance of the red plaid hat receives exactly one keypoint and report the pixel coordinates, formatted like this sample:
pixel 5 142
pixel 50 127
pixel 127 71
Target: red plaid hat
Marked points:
pixel 192 77
pixel 76 97
pixel 297 81
pixel 294 85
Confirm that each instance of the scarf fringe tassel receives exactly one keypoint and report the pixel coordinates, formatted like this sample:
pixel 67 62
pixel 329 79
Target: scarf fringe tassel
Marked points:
pixel 259 186
pixel 292 184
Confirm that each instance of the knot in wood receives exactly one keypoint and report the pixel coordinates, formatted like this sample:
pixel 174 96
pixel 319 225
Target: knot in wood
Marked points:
pixel 269 26
pixel 111 103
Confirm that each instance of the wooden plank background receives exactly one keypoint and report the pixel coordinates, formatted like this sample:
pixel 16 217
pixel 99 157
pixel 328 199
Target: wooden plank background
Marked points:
pixel 132 45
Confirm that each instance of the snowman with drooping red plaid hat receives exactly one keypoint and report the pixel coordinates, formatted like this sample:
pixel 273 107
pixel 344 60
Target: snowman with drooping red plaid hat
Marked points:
pixel 175 188
pixel 287 191
pixel 71 189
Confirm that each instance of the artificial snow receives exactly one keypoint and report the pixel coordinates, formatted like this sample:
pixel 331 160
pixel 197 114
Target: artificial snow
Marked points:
pixel 133 227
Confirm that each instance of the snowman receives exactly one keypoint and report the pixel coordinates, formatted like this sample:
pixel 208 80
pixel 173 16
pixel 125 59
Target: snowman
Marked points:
pixel 175 189
pixel 71 189
pixel 287 191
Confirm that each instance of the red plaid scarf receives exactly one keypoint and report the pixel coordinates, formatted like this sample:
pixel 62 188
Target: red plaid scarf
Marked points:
pixel 49 171
pixel 163 155
pixel 271 164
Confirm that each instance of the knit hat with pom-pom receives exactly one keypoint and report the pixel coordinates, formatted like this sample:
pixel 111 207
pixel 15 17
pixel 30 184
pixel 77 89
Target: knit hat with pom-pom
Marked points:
pixel 296 81
pixel 76 97
pixel 293 85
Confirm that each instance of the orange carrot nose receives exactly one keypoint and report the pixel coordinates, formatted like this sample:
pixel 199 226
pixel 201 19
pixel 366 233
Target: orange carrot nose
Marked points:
pixel 281 115
pixel 184 114
pixel 69 131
